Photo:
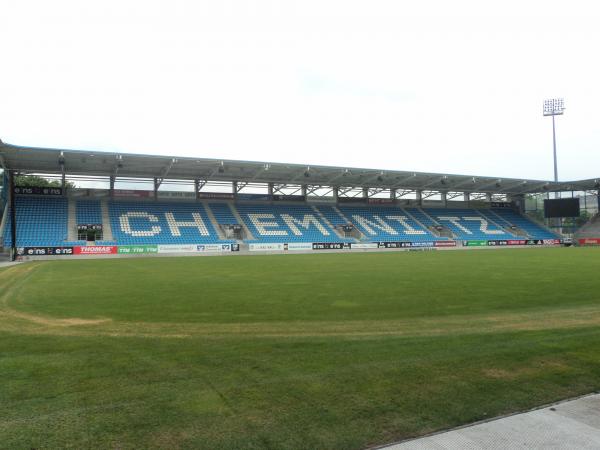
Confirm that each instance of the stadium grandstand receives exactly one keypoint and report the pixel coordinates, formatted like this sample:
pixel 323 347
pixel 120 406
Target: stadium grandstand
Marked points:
pixel 129 203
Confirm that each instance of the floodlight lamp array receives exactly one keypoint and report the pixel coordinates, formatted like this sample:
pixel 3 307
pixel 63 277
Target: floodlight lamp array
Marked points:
pixel 554 107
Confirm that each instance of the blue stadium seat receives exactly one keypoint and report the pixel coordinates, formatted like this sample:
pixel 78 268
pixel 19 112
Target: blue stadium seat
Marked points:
pixel 531 228
pixel 89 212
pixel 386 223
pixel 469 224
pixel 41 222
pixel 223 214
pixel 286 223
pixel 161 223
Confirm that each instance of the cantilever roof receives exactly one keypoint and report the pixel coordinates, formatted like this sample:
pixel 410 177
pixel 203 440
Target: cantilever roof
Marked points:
pixel 92 163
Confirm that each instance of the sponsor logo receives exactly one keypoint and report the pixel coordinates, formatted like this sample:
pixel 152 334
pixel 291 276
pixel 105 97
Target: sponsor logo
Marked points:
pixel 330 246
pixel 393 244
pixel 220 195
pixel 289 198
pixel 444 244
pixel 590 241
pixel 380 201
pixel 365 245
pixel 132 193
pixel 137 249
pixel 296 246
pixel 475 243
pixel 42 251
pixel 178 248
pixel 34 190
pixel 95 250
pixel 265 247
pixel 213 248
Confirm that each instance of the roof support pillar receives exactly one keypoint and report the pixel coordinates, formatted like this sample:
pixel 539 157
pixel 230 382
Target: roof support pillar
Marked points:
pixel 234 188
pixel 156 185
pixel 393 194
pixel 488 197
pixel 13 214
pixel 466 197
pixel 365 192
pixel 270 189
pixel 197 189
pixel 444 196
pixel 419 197
pixel 336 194
pixel 111 189
pixel 303 190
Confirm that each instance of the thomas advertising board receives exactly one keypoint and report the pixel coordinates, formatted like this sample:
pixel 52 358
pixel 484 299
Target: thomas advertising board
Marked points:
pixel 95 250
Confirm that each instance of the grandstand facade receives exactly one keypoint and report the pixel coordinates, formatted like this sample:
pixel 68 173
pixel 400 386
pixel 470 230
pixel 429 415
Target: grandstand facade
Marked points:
pixel 228 206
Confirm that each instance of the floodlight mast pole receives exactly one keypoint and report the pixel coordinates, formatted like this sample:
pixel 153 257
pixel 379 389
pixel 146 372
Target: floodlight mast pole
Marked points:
pixel 554 148
pixel 554 107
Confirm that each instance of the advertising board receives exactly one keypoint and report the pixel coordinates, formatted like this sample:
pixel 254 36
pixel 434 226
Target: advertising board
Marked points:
pixel 177 194
pixel 36 190
pixel 444 244
pixel 43 251
pixel 589 241
pixel 255 197
pixel 289 198
pixel 330 246
pixel 475 243
pixel 216 195
pixel 298 246
pixel 380 201
pixel 365 245
pixel 393 244
pixel 177 248
pixel 95 250
pixel 132 193
pixel 136 249
pixel 213 248
pixel 265 247
pixel 352 200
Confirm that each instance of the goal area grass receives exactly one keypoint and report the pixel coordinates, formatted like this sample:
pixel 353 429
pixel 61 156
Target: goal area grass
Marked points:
pixel 312 351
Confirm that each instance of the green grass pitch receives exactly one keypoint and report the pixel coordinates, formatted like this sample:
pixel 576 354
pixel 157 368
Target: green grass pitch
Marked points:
pixel 290 351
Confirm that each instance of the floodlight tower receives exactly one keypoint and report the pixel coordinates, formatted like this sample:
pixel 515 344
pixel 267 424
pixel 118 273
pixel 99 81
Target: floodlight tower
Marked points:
pixel 554 107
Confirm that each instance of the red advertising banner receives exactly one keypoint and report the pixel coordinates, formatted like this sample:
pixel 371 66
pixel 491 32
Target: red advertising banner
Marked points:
pixel 132 193
pixel 216 195
pixel 589 241
pixel 444 244
pixel 95 250
pixel 380 201
pixel 517 242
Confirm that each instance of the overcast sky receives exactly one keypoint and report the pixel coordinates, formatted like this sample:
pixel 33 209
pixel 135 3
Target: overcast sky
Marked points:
pixel 439 86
